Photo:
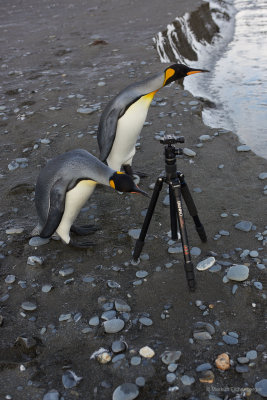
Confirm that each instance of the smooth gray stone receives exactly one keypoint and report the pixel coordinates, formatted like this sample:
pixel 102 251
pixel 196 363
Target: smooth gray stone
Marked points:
pixel 88 279
pixel 47 288
pixel 28 306
pixel 202 335
pixel 244 226
pixel 224 233
pixel 241 368
pixel 141 274
pixel 233 334
pixel 136 360
pixel 169 357
pixel 243 147
pixel 261 387
pixel 107 315
pixel 51 395
pixel 94 321
pixel 230 340
pixel 172 367
pixel 114 325
pixel 134 233
pixel 209 327
pixel 70 379
pixel 263 175
pixel 146 321
pixel 195 251
pixel 126 391
pixel 171 377
pixel 118 346
pixel 258 285
pixel 66 271
pixel 252 355
pixel 38 241
pixel 118 357
pixel 187 380
pixel 175 250
pixel 203 367
pixel 140 381
pixel 243 360
pixel 238 273
pixel 107 306
pixel 122 306
pixel 113 285
pixel 10 279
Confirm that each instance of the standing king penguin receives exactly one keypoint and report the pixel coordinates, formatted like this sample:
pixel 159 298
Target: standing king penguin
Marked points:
pixel 63 187
pixel 123 118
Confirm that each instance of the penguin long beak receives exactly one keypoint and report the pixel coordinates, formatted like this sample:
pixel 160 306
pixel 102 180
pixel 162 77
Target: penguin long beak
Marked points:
pixel 138 190
pixel 196 71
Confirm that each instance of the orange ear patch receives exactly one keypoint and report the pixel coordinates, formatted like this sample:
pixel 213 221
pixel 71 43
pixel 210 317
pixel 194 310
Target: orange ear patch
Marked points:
pixel 112 184
pixel 168 73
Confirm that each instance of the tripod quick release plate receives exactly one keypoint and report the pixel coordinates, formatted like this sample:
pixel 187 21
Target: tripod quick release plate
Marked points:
pixel 172 139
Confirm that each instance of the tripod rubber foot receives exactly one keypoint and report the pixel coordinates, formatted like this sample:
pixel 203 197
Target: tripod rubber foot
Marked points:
pixel 137 250
pixel 201 233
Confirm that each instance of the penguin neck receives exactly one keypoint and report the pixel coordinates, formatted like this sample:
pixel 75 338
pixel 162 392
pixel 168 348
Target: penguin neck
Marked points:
pixel 149 97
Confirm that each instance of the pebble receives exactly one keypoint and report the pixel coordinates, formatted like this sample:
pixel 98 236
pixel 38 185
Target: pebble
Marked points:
pixel 94 321
pixel 51 395
pixel 215 268
pixel 172 367
pixel 37 241
pixel 169 357
pixel 203 367
pixel 206 377
pixel 175 250
pixel 228 339
pixel 86 110
pixel 118 357
pixel 140 381
pixel 107 315
pixel 146 352
pixel 258 285
pixel 70 379
pixel 10 279
pixel 33 260
pixel 47 288
pixel 66 271
pixel 166 200
pixel 261 387
pixel 145 321
pixel 195 251
pixel 122 306
pixel 224 233
pixel 187 380
pixel 118 346
pixel 252 355
pixel 14 231
pixel 64 317
pixel 171 377
pixel 243 147
pixel 114 325
pixel 223 362
pixel 104 357
pixel 253 253
pixel 189 152
pixel 126 391
pixel 113 284
pixel 136 360
pixel 206 264
pixel 134 233
pixel 263 175
pixel 141 274
pixel 238 273
pixel 202 335
pixel 28 306
pixel 204 138
pixel 244 226
pixel 243 360
pixel 241 368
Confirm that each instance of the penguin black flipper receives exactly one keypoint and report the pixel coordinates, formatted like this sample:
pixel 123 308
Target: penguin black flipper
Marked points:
pixel 107 131
pixel 56 210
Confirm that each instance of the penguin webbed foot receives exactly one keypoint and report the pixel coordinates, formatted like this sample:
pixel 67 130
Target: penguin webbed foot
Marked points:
pixel 81 245
pixel 83 230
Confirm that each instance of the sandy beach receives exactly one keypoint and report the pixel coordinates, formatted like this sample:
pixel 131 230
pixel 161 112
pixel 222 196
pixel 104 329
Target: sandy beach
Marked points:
pixel 60 57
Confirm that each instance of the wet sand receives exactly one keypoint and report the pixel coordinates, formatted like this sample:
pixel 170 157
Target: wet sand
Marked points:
pixel 54 58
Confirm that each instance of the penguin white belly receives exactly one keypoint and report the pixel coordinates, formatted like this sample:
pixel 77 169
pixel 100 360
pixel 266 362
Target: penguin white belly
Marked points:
pixel 128 129
pixel 75 200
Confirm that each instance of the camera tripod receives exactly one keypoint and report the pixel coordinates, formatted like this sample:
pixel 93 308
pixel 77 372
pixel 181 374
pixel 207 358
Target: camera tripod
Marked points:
pixel 177 189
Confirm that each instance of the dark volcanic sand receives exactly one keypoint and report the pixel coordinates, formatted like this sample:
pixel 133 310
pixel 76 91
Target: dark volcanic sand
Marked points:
pixel 50 51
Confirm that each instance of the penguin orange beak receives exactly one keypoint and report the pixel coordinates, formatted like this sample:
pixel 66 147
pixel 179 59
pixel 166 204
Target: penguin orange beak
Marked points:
pixel 138 190
pixel 196 71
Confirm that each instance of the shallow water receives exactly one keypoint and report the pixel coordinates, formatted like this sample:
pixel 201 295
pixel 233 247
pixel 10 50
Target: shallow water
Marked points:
pixel 237 59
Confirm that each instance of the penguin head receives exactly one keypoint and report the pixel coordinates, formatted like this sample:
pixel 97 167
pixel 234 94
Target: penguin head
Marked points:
pixel 124 183
pixel 179 71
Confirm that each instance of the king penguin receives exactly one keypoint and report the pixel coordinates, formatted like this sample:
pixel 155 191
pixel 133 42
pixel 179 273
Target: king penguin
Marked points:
pixel 63 187
pixel 123 118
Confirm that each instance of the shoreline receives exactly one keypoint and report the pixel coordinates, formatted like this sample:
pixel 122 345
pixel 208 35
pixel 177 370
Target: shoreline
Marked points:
pixel 78 56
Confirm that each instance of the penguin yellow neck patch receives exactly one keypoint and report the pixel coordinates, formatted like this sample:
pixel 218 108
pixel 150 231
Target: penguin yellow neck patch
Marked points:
pixel 168 74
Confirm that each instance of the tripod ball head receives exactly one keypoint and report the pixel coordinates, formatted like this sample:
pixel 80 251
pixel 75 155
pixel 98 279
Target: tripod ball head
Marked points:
pixel 172 139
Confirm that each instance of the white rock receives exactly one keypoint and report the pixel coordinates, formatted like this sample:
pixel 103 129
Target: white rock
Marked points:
pixel 238 273
pixel 204 138
pixel 146 352
pixel 14 231
pixel 206 264
pixel 189 152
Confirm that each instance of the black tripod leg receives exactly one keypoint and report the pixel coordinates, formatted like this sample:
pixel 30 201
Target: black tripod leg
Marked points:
pixel 141 241
pixel 188 265
pixel 173 214
pixel 192 208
